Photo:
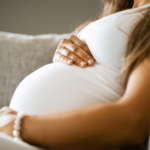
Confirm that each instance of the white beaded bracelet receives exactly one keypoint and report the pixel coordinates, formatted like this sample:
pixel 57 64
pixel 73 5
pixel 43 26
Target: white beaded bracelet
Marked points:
pixel 17 126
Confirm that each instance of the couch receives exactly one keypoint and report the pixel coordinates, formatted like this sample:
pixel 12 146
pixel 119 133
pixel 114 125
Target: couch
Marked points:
pixel 20 55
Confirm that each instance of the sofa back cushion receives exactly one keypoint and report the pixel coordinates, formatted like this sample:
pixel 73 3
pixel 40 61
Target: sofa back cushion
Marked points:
pixel 20 55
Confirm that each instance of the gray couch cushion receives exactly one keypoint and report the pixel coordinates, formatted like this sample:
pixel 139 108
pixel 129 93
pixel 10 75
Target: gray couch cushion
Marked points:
pixel 20 55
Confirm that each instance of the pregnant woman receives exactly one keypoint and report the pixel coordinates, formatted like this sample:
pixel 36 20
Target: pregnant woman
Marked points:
pixel 101 98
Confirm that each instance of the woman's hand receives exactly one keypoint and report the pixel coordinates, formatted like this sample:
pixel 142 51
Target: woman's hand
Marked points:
pixel 73 50
pixel 7 119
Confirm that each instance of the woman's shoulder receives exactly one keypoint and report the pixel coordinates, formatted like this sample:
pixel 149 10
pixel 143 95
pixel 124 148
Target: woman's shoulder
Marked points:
pixel 133 11
pixel 131 15
pixel 127 20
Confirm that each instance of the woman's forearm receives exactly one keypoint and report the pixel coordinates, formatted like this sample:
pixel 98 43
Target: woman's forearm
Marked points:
pixel 99 126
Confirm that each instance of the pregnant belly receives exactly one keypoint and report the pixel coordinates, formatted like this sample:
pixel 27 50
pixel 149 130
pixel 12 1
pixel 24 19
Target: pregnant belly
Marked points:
pixel 57 87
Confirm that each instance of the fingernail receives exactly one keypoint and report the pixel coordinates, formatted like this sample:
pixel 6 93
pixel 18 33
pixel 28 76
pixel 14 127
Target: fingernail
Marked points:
pixel 69 61
pixel 90 61
pixel 83 63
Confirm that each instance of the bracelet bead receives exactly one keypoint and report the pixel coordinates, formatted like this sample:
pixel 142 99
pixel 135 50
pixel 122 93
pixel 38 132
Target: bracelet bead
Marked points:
pixel 16 133
pixel 17 126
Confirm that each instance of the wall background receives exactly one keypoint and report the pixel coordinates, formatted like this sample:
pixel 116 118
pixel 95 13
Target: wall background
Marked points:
pixel 46 16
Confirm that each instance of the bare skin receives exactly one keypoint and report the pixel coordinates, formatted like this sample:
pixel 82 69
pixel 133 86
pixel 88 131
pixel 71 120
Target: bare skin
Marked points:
pixel 73 50
pixel 139 3
pixel 103 126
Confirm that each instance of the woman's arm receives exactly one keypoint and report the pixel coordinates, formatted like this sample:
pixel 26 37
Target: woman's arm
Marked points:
pixel 100 126
pixel 96 127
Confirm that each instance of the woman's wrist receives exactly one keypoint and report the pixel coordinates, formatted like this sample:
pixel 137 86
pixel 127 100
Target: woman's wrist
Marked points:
pixel 43 130
pixel 31 131
pixel 26 131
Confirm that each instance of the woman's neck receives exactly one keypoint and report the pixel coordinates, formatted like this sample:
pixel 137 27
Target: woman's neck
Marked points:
pixel 139 3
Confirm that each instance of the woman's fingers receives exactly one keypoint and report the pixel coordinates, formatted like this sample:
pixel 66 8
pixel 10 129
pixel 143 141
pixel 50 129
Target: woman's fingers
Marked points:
pixel 73 50
pixel 74 39
pixel 81 54
pixel 61 58
pixel 77 60
pixel 7 110
pixel 7 118
pixel 68 58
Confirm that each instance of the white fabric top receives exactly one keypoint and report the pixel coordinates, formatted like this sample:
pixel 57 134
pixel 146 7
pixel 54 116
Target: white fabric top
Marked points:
pixel 57 87
pixel 106 38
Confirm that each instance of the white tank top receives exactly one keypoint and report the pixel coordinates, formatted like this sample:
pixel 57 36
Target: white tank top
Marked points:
pixel 57 87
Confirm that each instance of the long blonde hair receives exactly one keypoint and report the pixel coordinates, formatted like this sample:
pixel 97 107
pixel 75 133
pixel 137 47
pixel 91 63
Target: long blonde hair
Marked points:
pixel 138 46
